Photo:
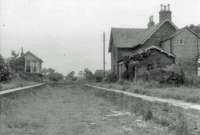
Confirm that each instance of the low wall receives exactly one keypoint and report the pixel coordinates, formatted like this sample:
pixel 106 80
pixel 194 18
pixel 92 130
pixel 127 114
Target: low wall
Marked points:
pixel 179 120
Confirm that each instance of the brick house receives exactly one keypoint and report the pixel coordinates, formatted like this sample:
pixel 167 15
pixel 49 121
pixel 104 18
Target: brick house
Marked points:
pixel 165 43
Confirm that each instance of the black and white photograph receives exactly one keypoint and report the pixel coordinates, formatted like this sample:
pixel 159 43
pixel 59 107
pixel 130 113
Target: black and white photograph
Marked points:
pixel 99 67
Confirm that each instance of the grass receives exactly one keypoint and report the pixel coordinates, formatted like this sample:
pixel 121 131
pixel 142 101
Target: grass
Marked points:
pixel 15 84
pixel 188 94
pixel 70 110
pixel 177 120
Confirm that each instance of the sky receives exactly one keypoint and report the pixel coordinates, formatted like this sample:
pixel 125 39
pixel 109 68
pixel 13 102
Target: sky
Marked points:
pixel 67 34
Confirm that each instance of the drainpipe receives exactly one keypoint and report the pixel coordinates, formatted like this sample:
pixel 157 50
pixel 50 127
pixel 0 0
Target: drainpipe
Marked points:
pixel 198 47
pixel 197 55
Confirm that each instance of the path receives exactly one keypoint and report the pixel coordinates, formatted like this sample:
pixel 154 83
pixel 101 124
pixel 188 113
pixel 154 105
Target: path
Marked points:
pixel 173 102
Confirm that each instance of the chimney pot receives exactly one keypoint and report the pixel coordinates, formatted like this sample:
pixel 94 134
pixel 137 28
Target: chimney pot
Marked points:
pixel 161 7
pixel 151 22
pixel 165 13
pixel 165 7
pixel 168 7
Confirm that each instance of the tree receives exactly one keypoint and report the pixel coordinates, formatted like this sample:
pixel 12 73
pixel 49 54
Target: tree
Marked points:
pixel 14 54
pixel 71 76
pixel 55 76
pixel 99 74
pixel 88 75
pixel 81 74
pixel 16 62
pixel 52 75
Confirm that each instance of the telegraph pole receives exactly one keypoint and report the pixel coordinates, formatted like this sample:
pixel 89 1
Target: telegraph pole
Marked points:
pixel 104 63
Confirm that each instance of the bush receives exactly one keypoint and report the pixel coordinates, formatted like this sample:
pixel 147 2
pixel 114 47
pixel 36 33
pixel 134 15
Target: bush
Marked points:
pixel 148 115
pixel 88 75
pixel 99 75
pixel 71 76
pixel 181 126
pixel 55 77
pixel 4 71
pixel 30 76
pixel 192 80
pixel 111 77
pixel 171 74
pixel 16 62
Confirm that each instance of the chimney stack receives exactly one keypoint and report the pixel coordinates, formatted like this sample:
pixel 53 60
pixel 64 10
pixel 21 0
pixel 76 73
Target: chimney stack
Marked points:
pixel 151 22
pixel 165 13
pixel 22 51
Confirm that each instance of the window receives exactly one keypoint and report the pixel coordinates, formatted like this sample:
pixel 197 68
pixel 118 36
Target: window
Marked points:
pixel 149 67
pixel 28 66
pixel 181 42
pixel 198 67
pixel 34 67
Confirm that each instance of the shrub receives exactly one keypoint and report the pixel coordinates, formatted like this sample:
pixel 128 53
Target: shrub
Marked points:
pixel 148 115
pixel 181 126
pixel 88 75
pixel 55 77
pixel 17 62
pixel 30 76
pixel 71 76
pixel 4 71
pixel 99 75
pixel 172 74
pixel 111 77
pixel 192 80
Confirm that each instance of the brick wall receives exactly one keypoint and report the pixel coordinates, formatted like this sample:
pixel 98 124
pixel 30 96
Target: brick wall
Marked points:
pixel 165 30
pixel 186 52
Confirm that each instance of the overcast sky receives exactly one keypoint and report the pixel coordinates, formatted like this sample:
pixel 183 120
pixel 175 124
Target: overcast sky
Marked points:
pixel 67 34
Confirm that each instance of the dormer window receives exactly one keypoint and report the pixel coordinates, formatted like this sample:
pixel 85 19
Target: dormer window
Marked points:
pixel 181 42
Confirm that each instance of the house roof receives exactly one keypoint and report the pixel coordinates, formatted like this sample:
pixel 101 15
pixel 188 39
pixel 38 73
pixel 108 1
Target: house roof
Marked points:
pixel 180 31
pixel 30 53
pixel 142 51
pixel 154 48
pixel 132 37
pixel 127 37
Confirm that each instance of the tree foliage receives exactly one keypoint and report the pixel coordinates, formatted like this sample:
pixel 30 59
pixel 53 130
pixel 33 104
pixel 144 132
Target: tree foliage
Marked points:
pixel 55 76
pixel 71 75
pixel 16 62
pixel 4 70
pixel 88 75
pixel 52 75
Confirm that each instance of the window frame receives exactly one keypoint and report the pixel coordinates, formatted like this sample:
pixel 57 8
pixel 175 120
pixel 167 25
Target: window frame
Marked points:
pixel 181 41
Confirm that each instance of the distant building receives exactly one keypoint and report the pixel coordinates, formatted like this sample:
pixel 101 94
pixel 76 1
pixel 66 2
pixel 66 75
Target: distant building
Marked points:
pixel 160 44
pixel 33 64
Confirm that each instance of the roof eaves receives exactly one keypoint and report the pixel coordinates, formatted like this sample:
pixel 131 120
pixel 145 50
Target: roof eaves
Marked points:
pixel 161 50
pixel 193 32
pixel 180 31
pixel 157 48
pixel 33 55
pixel 157 27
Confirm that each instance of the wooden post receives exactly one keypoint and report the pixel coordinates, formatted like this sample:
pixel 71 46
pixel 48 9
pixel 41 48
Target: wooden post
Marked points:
pixel 25 65
pixel 104 40
pixel 135 76
pixel 1 117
